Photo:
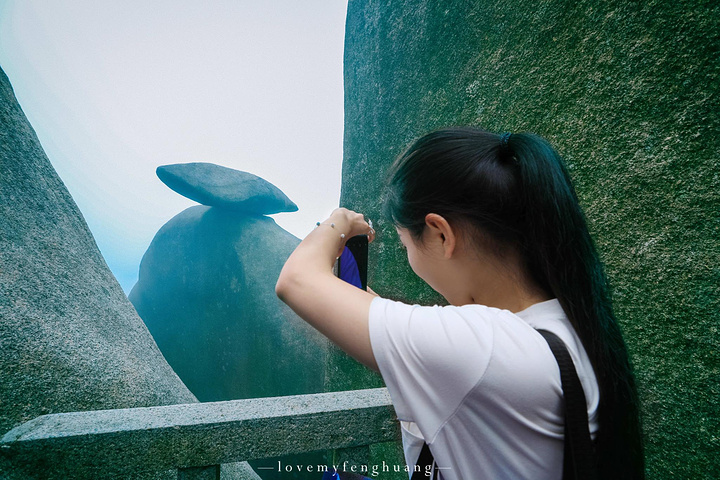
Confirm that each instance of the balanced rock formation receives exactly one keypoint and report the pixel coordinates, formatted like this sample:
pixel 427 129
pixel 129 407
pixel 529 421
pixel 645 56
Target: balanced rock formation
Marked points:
pixel 69 338
pixel 206 290
pixel 231 189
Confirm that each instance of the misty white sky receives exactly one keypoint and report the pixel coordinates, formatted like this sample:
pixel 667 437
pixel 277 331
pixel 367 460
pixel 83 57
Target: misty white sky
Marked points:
pixel 114 89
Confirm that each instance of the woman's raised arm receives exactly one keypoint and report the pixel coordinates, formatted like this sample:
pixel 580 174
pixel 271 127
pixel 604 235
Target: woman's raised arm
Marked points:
pixel 307 285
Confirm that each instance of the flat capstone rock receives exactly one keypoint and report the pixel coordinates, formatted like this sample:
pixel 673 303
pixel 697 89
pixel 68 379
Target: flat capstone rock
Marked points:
pixel 218 186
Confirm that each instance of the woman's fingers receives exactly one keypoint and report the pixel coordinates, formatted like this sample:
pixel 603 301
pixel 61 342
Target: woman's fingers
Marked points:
pixel 356 223
pixel 371 232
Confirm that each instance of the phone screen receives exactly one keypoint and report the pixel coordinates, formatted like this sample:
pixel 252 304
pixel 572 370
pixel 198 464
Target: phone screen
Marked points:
pixel 352 264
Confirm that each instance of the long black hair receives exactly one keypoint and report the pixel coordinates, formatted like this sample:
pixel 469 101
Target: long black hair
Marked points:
pixel 515 191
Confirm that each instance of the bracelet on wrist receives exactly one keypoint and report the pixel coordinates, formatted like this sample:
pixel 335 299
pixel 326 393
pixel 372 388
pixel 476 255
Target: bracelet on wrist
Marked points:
pixel 331 225
pixel 342 235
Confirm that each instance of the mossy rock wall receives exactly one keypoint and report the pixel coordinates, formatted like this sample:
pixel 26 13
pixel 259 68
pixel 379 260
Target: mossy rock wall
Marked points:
pixel 628 94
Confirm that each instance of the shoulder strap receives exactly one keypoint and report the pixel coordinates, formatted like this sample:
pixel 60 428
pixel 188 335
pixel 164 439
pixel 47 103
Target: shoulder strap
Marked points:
pixel 579 461
pixel 425 462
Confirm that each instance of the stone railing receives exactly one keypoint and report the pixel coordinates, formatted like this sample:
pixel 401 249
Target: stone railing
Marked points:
pixel 195 439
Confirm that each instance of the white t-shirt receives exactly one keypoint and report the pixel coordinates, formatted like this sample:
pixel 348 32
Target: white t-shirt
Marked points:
pixel 480 385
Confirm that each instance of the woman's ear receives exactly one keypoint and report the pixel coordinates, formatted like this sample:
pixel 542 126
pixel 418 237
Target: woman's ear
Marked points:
pixel 441 230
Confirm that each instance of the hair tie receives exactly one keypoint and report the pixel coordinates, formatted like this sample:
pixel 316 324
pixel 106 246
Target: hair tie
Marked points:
pixel 504 138
pixel 504 152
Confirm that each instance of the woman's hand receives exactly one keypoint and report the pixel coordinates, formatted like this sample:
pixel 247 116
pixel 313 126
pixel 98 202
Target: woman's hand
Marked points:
pixel 349 224
pixel 335 308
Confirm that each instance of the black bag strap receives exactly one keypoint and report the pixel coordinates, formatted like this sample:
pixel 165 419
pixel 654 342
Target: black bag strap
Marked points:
pixel 425 462
pixel 579 462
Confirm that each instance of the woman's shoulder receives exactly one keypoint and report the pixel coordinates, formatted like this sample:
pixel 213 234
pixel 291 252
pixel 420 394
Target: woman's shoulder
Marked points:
pixel 475 333
pixel 448 319
pixel 444 312
pixel 442 336
pixel 446 335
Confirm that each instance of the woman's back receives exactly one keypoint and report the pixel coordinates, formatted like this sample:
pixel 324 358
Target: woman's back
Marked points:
pixel 480 385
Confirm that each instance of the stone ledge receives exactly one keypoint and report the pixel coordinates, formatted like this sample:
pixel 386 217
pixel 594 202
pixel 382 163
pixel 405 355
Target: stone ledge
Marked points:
pixel 133 440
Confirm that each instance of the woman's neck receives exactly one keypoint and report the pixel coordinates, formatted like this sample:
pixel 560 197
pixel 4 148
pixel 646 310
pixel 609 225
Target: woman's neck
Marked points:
pixel 500 283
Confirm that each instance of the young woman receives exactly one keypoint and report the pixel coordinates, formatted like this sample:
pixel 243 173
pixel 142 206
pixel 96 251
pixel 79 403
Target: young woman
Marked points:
pixel 493 224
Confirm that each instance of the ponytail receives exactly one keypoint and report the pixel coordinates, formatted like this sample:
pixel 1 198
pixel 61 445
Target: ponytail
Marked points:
pixel 562 257
pixel 515 190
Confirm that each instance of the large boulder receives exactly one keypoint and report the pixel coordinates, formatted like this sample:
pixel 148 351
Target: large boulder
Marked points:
pixel 629 94
pixel 69 338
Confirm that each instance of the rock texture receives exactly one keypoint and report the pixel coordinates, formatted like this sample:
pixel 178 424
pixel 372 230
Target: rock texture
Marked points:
pixel 628 93
pixel 69 338
pixel 231 189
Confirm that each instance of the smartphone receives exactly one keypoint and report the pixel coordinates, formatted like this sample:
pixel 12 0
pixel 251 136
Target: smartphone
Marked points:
pixel 353 262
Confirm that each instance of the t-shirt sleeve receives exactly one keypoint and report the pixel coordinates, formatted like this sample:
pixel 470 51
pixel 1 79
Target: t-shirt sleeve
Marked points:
pixel 429 357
